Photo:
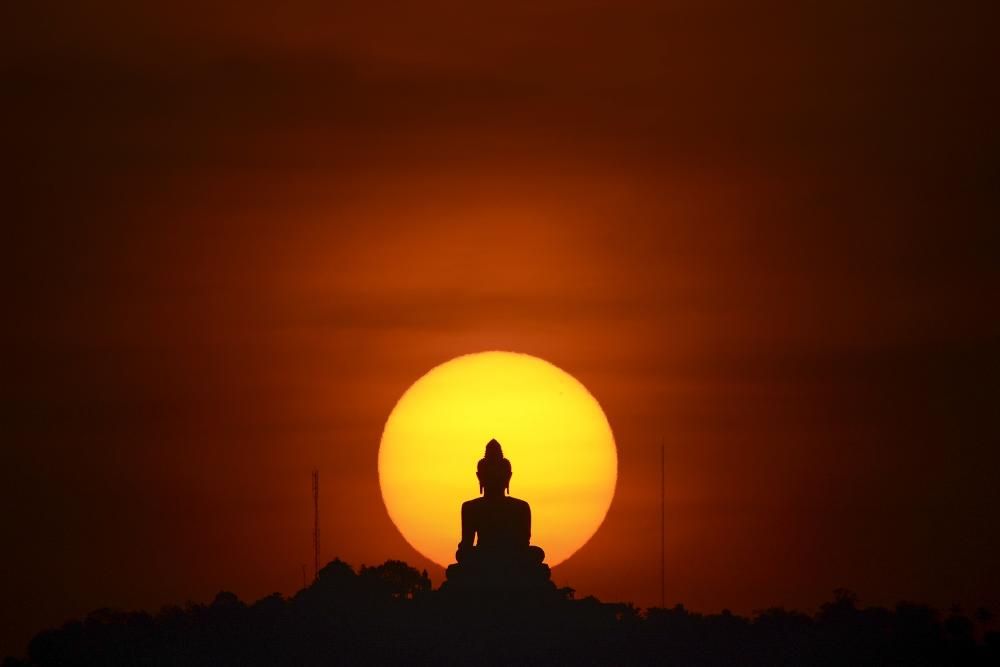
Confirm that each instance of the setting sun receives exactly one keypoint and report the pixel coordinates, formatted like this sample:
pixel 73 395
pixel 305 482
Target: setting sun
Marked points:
pixel 551 428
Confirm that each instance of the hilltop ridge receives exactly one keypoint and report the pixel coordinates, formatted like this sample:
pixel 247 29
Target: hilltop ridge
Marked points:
pixel 390 614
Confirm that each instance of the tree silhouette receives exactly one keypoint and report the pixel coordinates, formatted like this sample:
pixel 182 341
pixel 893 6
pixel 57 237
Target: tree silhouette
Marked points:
pixel 388 614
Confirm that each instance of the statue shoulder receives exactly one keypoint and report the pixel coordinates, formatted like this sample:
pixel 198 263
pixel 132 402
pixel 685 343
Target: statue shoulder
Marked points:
pixel 517 502
pixel 471 504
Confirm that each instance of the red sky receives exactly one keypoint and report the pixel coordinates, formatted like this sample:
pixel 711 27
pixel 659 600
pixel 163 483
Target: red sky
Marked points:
pixel 766 238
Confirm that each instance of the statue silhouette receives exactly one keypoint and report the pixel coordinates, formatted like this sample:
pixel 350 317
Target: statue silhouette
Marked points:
pixel 496 533
pixel 502 524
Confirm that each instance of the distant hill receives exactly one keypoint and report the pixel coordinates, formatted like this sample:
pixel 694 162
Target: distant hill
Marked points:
pixel 390 615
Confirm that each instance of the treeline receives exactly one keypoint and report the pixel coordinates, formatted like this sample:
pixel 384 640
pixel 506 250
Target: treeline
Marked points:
pixel 390 615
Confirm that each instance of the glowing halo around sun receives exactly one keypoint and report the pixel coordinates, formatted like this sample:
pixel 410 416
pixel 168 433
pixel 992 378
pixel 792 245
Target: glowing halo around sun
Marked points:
pixel 551 428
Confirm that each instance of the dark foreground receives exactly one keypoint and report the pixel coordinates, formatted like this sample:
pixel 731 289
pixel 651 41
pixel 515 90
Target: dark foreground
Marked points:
pixel 389 614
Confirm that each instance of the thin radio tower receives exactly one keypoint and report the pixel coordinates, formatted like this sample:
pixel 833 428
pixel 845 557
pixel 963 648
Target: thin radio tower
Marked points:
pixel 315 524
pixel 663 521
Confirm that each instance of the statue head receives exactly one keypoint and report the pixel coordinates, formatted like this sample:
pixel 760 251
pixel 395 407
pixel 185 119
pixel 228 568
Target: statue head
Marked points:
pixel 494 470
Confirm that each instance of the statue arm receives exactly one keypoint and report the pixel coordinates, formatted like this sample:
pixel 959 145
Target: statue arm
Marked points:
pixel 468 527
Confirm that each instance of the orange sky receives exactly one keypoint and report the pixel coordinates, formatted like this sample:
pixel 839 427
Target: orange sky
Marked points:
pixel 766 239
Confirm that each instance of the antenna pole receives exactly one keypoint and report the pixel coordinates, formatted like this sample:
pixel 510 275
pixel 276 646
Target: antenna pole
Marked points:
pixel 663 521
pixel 315 478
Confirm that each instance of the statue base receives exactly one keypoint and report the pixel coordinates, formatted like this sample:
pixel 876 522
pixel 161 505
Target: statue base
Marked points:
pixel 499 573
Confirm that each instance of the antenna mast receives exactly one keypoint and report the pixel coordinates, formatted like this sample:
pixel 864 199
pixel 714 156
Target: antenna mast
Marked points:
pixel 315 478
pixel 663 521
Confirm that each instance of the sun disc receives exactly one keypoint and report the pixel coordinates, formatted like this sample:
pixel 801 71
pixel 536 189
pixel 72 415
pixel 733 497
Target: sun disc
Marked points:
pixel 551 428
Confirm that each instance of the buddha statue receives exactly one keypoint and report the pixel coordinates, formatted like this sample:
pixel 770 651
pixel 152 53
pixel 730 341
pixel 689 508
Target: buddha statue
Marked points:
pixel 496 528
